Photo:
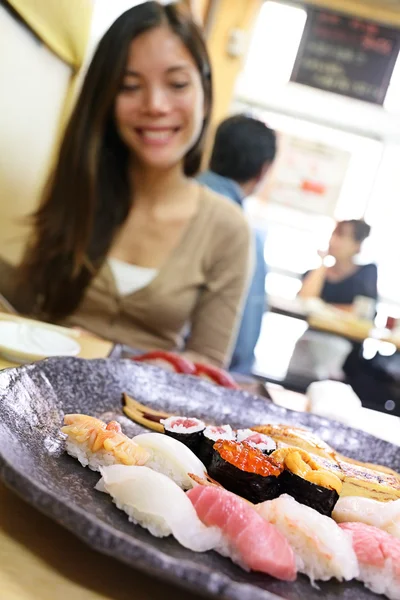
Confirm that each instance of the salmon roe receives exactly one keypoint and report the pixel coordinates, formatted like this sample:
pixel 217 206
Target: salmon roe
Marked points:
pixel 246 458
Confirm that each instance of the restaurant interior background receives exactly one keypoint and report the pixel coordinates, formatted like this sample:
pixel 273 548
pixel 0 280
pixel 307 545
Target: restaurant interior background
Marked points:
pixel 253 45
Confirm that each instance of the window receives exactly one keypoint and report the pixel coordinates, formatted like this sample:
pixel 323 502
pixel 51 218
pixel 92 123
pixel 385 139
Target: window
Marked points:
pixel 271 55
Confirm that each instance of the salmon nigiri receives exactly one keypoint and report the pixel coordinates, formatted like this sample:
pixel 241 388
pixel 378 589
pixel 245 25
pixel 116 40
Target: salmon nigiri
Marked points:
pixel 249 540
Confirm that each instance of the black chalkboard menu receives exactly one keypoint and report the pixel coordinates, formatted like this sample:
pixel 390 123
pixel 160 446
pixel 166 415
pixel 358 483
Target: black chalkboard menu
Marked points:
pixel 346 55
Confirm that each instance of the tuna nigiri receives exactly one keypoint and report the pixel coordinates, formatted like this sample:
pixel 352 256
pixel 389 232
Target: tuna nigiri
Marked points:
pixel 322 549
pixel 384 515
pixel 249 540
pixel 170 457
pixel 378 555
pixel 158 504
pixel 95 443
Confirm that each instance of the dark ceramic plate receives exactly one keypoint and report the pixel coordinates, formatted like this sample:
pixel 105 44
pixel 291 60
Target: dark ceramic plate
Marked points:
pixel 33 400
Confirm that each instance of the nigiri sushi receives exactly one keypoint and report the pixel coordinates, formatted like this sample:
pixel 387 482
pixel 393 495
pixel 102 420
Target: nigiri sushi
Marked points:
pixel 95 443
pixel 378 555
pixel 155 502
pixel 249 540
pixel 170 457
pixel 322 549
pixel 384 515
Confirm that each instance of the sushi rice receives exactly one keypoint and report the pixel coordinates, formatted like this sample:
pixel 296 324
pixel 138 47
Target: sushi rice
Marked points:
pixel 88 458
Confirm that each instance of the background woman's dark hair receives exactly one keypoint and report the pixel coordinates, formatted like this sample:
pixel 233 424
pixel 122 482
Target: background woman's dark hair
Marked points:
pixel 361 229
pixel 88 197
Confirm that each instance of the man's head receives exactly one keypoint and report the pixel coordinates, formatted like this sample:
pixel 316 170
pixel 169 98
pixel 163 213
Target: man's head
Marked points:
pixel 244 149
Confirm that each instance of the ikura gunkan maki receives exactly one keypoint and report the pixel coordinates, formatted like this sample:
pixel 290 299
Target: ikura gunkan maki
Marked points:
pixel 257 440
pixel 212 434
pixel 189 431
pixel 306 481
pixel 245 471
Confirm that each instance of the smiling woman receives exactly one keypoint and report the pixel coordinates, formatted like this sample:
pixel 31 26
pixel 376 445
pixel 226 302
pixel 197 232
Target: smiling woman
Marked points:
pixel 121 203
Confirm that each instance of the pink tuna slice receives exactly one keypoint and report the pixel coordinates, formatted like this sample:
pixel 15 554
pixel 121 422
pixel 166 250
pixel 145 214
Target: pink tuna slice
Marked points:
pixel 260 545
pixel 374 546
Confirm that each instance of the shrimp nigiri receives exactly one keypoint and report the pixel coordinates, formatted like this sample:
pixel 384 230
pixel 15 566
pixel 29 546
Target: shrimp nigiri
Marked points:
pixel 322 549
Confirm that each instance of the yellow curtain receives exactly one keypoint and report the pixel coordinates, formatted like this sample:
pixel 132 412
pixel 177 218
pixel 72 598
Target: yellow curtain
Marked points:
pixel 63 25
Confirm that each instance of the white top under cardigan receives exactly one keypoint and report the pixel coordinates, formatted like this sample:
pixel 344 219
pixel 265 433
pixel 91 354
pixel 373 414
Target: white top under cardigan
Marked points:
pixel 130 278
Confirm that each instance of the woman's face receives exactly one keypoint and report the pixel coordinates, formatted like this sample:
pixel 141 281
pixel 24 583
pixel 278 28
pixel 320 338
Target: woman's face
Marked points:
pixel 159 110
pixel 342 244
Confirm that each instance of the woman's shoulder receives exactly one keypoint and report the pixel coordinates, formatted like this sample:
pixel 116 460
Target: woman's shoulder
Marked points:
pixel 369 270
pixel 223 212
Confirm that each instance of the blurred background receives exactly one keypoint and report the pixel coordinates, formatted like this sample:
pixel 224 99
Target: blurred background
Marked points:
pixel 335 104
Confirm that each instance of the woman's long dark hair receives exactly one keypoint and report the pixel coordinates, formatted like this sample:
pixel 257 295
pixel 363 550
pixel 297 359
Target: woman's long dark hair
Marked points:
pixel 88 197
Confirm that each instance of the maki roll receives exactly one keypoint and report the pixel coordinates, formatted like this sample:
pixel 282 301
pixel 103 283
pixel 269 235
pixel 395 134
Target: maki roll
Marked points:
pixel 212 434
pixel 245 471
pixel 258 440
pixel 189 431
pixel 306 481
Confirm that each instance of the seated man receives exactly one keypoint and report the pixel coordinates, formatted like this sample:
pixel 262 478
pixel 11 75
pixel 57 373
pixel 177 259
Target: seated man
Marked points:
pixel 244 149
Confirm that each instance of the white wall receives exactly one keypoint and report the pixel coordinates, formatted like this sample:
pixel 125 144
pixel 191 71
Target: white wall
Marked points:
pixel 33 85
pixel 105 12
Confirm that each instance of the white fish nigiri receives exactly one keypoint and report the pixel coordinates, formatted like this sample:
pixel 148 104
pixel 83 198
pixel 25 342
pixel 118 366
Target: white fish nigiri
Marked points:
pixel 171 457
pixel 383 515
pixel 155 502
pixel 321 548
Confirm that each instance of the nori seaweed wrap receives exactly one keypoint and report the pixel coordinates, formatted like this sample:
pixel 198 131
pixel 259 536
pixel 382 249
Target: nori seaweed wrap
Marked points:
pixel 245 471
pixel 189 431
pixel 319 498
pixel 306 481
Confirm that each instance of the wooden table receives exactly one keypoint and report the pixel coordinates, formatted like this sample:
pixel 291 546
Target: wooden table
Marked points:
pixel 333 321
pixel 40 560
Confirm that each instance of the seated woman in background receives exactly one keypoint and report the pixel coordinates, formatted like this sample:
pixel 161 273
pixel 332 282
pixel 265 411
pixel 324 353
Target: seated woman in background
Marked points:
pixel 345 280
pixel 126 243
pixel 319 355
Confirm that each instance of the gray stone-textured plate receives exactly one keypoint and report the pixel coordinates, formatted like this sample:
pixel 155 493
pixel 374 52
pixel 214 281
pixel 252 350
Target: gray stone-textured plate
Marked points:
pixel 33 400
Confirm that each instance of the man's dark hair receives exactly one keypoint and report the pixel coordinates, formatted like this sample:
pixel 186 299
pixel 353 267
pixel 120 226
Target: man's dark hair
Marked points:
pixel 242 147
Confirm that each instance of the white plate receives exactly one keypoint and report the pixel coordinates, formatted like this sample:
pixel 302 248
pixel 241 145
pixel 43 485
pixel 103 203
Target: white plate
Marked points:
pixel 26 342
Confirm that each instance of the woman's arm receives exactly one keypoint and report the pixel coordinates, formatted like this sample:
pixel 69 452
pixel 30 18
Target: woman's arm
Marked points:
pixel 313 283
pixel 216 316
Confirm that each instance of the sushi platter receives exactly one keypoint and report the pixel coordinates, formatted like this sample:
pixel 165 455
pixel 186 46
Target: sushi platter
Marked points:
pixel 206 487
